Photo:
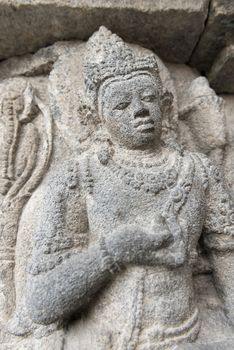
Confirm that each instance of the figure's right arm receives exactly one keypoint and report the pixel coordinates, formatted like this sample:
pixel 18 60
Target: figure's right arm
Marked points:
pixel 67 288
pixel 62 278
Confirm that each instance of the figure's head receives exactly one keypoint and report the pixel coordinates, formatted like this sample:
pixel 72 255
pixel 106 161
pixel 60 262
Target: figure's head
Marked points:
pixel 129 107
pixel 125 88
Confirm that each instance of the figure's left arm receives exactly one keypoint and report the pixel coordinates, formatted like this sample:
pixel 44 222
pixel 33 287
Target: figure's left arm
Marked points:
pixel 219 236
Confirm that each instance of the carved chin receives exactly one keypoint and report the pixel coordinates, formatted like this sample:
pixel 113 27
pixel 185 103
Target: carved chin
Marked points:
pixel 149 135
pixel 145 137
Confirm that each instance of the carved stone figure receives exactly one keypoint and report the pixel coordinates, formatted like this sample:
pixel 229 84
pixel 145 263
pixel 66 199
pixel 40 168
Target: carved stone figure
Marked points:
pixel 124 224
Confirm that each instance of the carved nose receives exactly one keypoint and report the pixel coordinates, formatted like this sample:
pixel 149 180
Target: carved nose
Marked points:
pixel 141 113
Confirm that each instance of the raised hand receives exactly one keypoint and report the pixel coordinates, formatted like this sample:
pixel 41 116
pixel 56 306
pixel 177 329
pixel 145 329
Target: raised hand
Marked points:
pixel 130 244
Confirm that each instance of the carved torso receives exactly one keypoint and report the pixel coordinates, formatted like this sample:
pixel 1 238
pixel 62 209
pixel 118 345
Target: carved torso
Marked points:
pixel 133 309
pixel 142 306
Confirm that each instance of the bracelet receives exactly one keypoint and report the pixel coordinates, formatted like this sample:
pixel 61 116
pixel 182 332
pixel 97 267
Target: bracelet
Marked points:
pixel 107 260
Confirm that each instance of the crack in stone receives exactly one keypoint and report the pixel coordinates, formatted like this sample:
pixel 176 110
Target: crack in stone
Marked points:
pixel 201 35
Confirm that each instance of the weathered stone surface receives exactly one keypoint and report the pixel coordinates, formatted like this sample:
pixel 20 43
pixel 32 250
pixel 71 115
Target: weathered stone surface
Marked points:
pixel 176 30
pixel 30 65
pixel 172 28
pixel 201 113
pixel 218 33
pixel 224 345
pixel 121 237
pixel 221 76
pixel 229 112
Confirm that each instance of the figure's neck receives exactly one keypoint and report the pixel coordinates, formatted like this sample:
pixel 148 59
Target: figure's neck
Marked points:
pixel 138 152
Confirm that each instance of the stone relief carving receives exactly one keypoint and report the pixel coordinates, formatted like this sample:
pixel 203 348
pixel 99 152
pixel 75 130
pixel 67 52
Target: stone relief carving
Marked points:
pixel 130 210
pixel 202 115
pixel 22 168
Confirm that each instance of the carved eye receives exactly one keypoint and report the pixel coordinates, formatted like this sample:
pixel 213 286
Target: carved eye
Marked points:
pixel 148 98
pixel 122 105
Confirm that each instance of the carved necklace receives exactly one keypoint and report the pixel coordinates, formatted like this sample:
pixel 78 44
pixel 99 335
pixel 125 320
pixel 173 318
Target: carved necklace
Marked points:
pixel 151 176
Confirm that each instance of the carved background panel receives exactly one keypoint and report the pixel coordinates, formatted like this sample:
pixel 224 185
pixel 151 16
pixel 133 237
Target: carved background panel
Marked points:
pixel 46 121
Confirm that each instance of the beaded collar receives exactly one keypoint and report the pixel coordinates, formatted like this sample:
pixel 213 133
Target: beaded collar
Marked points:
pixel 151 174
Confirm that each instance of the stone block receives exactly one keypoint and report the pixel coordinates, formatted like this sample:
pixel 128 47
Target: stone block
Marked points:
pixel 171 28
pixel 221 74
pixel 218 33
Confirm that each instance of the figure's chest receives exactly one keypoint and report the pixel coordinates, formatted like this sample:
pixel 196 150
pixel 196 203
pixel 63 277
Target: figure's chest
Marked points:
pixel 115 201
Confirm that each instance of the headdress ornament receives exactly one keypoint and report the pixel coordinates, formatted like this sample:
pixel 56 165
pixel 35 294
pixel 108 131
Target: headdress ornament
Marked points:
pixel 109 56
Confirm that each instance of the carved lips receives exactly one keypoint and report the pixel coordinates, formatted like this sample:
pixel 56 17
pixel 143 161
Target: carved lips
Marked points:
pixel 144 125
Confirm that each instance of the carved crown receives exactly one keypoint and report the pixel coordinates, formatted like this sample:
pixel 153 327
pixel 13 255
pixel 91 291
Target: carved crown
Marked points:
pixel 109 56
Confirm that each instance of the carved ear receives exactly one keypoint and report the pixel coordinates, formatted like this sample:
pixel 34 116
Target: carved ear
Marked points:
pixel 167 110
pixel 30 108
pixel 166 102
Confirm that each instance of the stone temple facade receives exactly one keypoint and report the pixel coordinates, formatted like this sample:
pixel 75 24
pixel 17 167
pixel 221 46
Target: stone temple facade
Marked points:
pixel 116 175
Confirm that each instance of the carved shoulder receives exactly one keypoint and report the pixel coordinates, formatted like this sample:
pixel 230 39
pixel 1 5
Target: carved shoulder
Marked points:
pixel 64 178
pixel 63 222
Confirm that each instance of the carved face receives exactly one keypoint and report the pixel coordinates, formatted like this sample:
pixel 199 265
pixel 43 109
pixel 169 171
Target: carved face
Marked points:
pixel 131 111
